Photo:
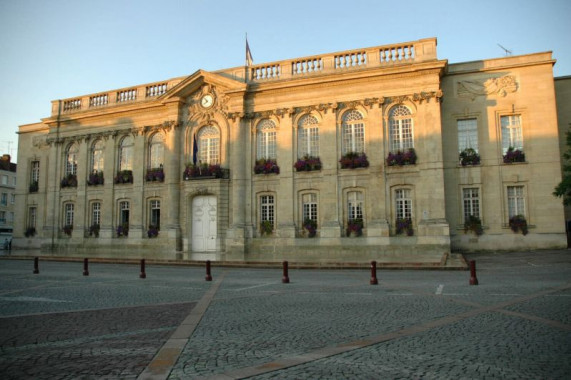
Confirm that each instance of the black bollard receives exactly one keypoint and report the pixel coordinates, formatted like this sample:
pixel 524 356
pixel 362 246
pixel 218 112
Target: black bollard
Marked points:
pixel 208 275
pixel 374 280
pixel 143 274
pixel 36 267
pixel 285 278
pixel 85 267
pixel 473 279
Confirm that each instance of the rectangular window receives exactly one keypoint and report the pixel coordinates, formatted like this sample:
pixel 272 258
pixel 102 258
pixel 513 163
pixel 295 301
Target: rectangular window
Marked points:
pixel 403 204
pixel 124 212
pixel 96 213
pixel 512 134
pixel 354 138
pixel 35 174
pixel 12 198
pixel 68 214
pixel 2 217
pixel 354 206
pixel 309 205
pixel 308 142
pixel 516 201
pixel 155 219
pixel 467 134
pixel 10 217
pixel 267 211
pixel 32 216
pixel 4 179
pixel 267 145
pixel 4 199
pixel 471 201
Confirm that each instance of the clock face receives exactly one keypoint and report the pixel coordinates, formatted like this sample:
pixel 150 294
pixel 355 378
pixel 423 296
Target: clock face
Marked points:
pixel 207 101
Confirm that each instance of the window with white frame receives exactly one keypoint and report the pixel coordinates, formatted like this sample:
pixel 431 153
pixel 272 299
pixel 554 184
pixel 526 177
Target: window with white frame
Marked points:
pixel 12 198
pixel 155 215
pixel 97 157
pixel 96 213
pixel 4 179
pixel 126 153
pixel 467 134
pixel 156 151
pixel 267 209
pixel 209 145
pixel 355 203
pixel 403 204
pixel 512 134
pixel 471 202
pixel 308 137
pixel 32 217
pixel 400 129
pixel 124 212
pixel 309 206
pixel 35 173
pixel 516 201
pixel 353 130
pixel 68 214
pixel 267 135
pixel 71 156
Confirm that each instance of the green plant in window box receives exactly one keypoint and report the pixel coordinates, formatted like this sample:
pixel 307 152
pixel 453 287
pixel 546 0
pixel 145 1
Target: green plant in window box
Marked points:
pixel 355 227
pixel 30 232
pixel 266 227
pixel 34 187
pixel 469 157
pixel 310 226
pixel 404 225
pixel 518 223
pixel 67 229
pixel 94 230
pixel 474 224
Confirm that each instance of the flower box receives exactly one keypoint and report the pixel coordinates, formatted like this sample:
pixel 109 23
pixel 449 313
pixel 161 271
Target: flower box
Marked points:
pixel 307 163
pixel 404 225
pixel 95 178
pixel 469 157
pixel 355 227
pixel 153 231
pixel 266 166
pixel 67 229
pixel 518 223
pixel 514 155
pixel 473 223
pixel 155 175
pixel 353 160
pixel 266 227
pixel 202 171
pixel 402 158
pixel 69 180
pixel 310 226
pixel 94 230
pixel 30 232
pixel 124 176
pixel 123 230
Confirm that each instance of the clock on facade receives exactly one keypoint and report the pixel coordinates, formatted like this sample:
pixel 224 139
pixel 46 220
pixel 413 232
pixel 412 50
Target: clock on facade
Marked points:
pixel 207 101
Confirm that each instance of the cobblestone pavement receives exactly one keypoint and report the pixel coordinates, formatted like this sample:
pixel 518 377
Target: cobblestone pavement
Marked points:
pixel 323 325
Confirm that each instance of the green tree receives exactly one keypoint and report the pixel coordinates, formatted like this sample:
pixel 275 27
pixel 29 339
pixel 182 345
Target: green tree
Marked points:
pixel 563 190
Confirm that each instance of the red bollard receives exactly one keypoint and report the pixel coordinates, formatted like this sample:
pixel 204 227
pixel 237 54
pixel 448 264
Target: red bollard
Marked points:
pixel 285 278
pixel 85 267
pixel 473 279
pixel 36 267
pixel 374 280
pixel 143 274
pixel 208 275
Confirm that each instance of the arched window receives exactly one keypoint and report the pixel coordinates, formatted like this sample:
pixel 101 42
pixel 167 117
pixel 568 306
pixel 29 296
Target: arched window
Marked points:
pixel 97 159
pixel 401 129
pixel 308 137
pixel 355 205
pixel 209 145
pixel 403 204
pixel 126 154
pixel 156 151
pixel 266 140
pixel 71 159
pixel 353 130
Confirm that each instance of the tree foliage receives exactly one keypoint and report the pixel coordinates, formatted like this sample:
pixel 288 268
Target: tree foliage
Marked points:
pixel 563 190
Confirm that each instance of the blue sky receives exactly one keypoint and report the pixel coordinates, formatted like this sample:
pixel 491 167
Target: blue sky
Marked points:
pixel 64 48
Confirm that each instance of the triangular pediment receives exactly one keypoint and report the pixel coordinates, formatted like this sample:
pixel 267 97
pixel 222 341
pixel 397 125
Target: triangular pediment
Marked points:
pixel 198 79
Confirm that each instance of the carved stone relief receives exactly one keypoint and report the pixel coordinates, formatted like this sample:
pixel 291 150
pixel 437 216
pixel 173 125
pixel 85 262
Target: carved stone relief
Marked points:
pixel 493 86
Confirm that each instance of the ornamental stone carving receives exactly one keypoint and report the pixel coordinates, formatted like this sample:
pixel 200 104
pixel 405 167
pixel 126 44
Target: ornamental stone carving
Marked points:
pixel 493 86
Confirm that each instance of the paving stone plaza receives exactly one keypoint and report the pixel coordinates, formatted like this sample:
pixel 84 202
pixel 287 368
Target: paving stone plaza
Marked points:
pixel 324 324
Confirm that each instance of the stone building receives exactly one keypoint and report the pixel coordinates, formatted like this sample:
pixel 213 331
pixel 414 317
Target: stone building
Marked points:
pixel 7 198
pixel 346 156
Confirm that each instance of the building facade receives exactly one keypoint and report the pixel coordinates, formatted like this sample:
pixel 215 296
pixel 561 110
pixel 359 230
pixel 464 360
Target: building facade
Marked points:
pixel 7 198
pixel 336 157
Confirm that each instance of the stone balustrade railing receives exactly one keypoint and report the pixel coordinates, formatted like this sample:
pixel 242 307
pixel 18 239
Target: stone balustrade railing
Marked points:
pixel 378 56
pixel 350 60
pixel 115 97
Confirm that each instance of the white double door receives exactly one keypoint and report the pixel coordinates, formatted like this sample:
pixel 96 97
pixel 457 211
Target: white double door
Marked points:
pixel 204 210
